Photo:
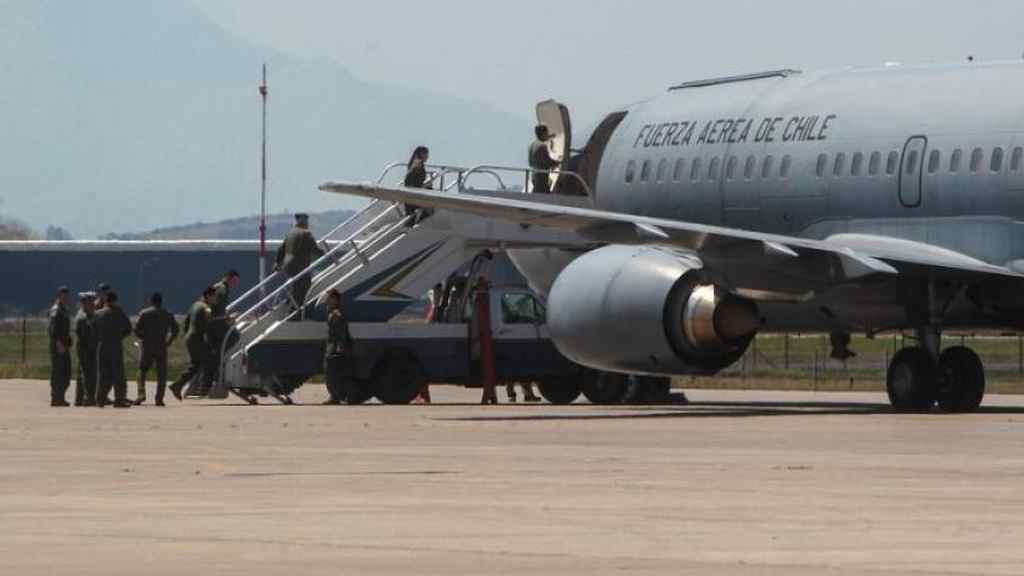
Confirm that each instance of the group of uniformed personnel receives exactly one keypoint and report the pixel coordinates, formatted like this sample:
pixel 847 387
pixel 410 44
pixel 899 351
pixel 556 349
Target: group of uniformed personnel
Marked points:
pixel 100 328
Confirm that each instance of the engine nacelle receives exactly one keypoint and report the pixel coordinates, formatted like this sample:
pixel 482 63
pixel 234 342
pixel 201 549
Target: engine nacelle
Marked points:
pixel 643 309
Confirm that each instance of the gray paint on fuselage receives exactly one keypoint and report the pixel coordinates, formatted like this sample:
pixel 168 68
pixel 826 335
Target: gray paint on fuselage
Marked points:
pixel 960 106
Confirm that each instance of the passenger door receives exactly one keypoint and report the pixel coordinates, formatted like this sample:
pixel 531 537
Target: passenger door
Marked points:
pixel 555 116
pixel 911 172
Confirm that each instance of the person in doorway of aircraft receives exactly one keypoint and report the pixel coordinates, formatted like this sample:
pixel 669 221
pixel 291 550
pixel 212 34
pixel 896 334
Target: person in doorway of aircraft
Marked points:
pixel 416 177
pixel 541 161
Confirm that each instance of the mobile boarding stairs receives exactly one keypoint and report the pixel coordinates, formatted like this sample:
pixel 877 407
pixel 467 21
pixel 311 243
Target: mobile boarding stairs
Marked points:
pixel 381 260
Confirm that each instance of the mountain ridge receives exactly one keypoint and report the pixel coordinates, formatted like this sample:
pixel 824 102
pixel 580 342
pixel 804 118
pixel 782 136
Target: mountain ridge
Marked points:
pixel 132 116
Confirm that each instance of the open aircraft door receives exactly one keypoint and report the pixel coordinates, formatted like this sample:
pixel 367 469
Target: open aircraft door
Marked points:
pixel 555 116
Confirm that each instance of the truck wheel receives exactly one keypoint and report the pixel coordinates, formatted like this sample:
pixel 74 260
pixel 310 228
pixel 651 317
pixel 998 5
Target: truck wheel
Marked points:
pixel 648 390
pixel 561 391
pixel 605 387
pixel 398 379
pixel 359 392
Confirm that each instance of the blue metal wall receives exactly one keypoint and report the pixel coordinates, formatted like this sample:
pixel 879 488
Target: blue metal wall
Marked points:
pixel 31 277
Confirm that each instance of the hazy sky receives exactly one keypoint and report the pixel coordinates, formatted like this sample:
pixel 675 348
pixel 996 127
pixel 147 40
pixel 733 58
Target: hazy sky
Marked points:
pixel 598 54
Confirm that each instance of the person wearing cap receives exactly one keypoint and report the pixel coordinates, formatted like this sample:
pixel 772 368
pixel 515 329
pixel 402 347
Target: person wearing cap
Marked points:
pixel 112 327
pixel 102 289
pixel 196 327
pixel 85 346
pixel 59 331
pixel 338 351
pixel 156 329
pixel 296 253
pixel 541 161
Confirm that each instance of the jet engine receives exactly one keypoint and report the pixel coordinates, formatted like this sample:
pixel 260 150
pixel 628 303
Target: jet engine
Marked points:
pixel 644 309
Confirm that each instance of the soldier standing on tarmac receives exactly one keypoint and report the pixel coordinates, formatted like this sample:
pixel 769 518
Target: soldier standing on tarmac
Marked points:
pixel 296 253
pixel 59 331
pixel 112 326
pixel 197 325
pixel 85 334
pixel 102 289
pixel 156 328
pixel 338 354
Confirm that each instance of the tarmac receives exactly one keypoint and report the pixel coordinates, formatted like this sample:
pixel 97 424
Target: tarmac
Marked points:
pixel 736 483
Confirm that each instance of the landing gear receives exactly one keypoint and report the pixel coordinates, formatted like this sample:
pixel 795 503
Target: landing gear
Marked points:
pixel 916 381
pixel 961 380
pixel 911 380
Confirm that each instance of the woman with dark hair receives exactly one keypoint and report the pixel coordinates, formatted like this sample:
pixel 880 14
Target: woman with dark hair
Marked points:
pixel 416 177
pixel 416 170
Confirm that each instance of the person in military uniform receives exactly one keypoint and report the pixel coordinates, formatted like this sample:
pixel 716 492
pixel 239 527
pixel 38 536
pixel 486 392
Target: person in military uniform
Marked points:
pixel 102 289
pixel 220 320
pixel 197 325
pixel 112 327
pixel 338 351
pixel 156 329
pixel 541 160
pixel 296 253
pixel 85 345
pixel 59 331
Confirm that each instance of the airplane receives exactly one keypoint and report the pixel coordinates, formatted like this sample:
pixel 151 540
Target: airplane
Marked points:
pixel 847 201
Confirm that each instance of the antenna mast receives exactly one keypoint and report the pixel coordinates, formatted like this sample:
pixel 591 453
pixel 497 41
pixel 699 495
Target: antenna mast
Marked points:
pixel 263 181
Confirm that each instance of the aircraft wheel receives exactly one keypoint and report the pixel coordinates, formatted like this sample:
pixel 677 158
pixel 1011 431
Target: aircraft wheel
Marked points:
pixel 605 387
pixel 911 381
pixel 398 379
pixel 559 391
pixel 962 380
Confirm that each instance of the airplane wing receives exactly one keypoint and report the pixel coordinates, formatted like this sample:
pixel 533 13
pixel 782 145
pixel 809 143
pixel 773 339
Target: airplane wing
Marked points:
pixel 737 258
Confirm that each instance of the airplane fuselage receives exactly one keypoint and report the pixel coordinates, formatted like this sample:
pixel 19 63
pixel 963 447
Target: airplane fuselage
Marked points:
pixel 929 156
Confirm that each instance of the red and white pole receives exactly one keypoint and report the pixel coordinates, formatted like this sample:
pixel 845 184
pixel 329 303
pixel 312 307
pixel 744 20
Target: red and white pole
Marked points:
pixel 263 182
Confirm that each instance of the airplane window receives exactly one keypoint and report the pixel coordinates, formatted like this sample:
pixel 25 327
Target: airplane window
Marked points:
pixel 822 162
pixel 713 169
pixel 954 160
pixel 911 163
pixel 766 167
pixel 695 170
pixel 1017 159
pixel 857 164
pixel 976 158
pixel 837 170
pixel 677 174
pixel 875 163
pixel 997 160
pixel 630 171
pixel 645 171
pixel 662 168
pixel 892 162
pixel 934 159
pixel 730 168
pixel 785 166
pixel 748 170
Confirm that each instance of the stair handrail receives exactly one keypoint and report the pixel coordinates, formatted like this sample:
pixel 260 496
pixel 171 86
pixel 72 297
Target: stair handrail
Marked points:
pixel 327 255
pixel 527 173
pixel 235 326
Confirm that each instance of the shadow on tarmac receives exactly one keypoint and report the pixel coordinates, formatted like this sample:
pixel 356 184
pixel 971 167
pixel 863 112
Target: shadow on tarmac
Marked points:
pixel 721 410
